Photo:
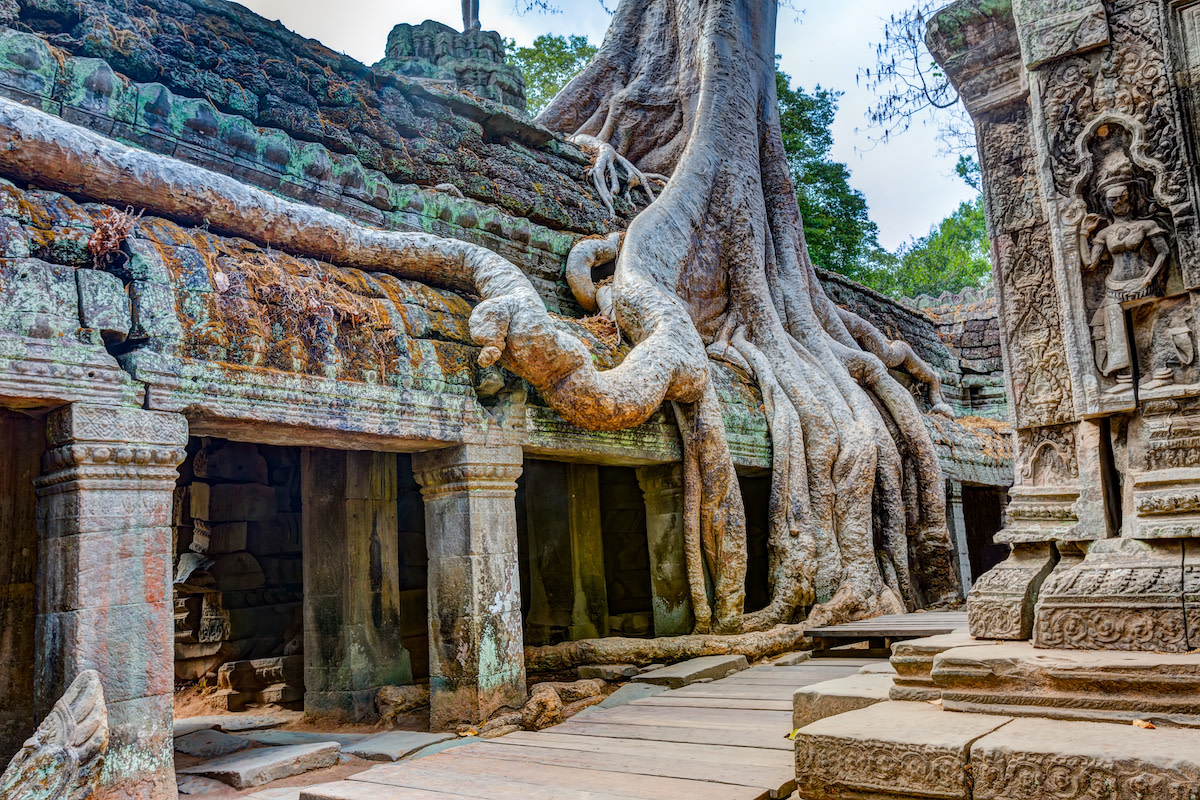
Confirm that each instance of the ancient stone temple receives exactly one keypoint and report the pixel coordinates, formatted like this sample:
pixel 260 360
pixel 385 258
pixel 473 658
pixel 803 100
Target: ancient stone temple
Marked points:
pixel 1085 113
pixel 247 460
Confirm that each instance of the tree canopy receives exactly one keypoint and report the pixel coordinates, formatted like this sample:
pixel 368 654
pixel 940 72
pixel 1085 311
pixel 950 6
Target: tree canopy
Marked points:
pixel 548 64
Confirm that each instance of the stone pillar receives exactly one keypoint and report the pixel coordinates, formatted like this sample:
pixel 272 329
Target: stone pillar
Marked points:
pixel 957 523
pixel 352 636
pixel 104 581
pixel 589 613
pixel 476 657
pixel 663 489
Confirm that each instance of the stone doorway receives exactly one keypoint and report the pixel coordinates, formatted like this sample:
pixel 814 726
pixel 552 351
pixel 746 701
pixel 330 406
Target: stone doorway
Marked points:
pixel 983 515
pixel 22 442
pixel 756 498
pixel 238 580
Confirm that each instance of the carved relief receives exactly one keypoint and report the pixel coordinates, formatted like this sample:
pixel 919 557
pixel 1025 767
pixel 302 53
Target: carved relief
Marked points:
pixel 1001 774
pixel 1047 457
pixel 1033 322
pixel 877 766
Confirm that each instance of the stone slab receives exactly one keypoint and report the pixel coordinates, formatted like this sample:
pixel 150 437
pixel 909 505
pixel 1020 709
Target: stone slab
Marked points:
pixel 693 670
pixel 1038 759
pixel 282 793
pixel 446 745
pixel 828 699
pixel 1018 679
pixel 630 692
pixel 276 738
pixel 233 723
pixel 882 668
pixel 209 744
pixel 260 766
pixel 608 672
pixel 395 745
pixel 793 659
pixel 195 786
pixel 889 749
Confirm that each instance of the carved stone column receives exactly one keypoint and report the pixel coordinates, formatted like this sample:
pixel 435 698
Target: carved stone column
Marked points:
pixel 352 638
pixel 663 489
pixel 104 581
pixel 476 657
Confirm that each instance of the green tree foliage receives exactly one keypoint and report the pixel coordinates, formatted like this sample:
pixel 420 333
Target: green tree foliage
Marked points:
pixel 837 223
pixel 953 256
pixel 548 65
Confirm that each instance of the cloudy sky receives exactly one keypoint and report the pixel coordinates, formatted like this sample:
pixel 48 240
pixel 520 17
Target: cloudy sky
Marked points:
pixel 909 182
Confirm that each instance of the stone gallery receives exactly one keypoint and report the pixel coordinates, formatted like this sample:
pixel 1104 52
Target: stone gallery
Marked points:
pixel 321 382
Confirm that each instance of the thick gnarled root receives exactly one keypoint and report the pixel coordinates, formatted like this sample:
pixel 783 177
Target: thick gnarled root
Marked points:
pixel 617 650
pixel 897 355
pixel 609 168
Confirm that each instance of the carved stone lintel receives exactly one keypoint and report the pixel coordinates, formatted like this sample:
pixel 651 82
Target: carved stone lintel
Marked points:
pixel 1124 595
pixel 1001 604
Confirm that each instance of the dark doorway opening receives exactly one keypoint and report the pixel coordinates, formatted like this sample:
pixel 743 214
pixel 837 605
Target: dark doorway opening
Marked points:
pixel 756 496
pixel 983 513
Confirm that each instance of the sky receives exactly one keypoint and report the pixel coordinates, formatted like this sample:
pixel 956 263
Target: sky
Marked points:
pixel 909 182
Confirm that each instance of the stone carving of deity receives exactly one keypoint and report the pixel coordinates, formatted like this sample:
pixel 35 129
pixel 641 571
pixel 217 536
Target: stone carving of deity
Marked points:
pixel 1138 251
pixel 470 9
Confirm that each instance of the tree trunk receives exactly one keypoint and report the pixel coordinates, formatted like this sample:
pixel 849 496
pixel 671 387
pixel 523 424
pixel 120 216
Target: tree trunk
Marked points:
pixel 687 88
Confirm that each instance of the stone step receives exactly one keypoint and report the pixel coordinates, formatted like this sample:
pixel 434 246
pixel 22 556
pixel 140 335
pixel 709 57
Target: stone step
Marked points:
pixel 890 750
pixel 830 698
pixel 693 670
pixel 913 661
pixel 251 768
pixel 1041 759
pixel 1014 678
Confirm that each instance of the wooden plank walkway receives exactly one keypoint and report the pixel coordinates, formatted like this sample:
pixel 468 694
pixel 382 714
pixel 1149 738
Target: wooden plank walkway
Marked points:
pixel 881 632
pixel 724 740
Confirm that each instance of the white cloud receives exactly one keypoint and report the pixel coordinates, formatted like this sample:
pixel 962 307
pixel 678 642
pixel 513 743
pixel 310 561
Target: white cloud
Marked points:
pixel 908 182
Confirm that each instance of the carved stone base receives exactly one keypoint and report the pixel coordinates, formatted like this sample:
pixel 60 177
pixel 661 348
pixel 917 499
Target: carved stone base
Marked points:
pixel 1016 679
pixel 1038 759
pixel 1001 604
pixel 1125 595
pixel 889 750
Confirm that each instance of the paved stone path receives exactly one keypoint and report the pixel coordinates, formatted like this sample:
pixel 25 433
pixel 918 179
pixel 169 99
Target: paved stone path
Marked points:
pixel 723 740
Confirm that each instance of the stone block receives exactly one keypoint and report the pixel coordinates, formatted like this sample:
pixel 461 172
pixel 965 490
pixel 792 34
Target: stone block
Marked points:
pixel 259 766
pixel 1000 606
pixel 830 698
pixel 608 672
pixel 1124 595
pixel 209 744
pixel 692 670
pixel 103 304
pixel 889 750
pixel 236 572
pixel 1016 679
pixel 231 461
pixel 395 745
pixel 232 502
pixel 793 659
pixel 913 660
pixel 1038 759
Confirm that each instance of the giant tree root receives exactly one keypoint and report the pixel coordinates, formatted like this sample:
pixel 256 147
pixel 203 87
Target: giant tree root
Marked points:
pixel 618 650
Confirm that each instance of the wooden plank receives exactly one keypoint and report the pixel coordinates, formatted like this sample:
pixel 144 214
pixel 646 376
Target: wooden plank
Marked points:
pixel 463 780
pixel 738 692
pixel 632 748
pixel 772 740
pixel 470 762
pixel 683 716
pixel 353 790
pixel 732 703
pixel 771 781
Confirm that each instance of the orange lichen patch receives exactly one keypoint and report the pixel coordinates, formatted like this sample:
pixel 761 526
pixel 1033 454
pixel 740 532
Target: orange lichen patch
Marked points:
pixel 993 435
pixel 603 329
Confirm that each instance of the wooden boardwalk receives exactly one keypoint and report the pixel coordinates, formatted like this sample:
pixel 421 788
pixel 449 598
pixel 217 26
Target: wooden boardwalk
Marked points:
pixel 881 632
pixel 724 740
